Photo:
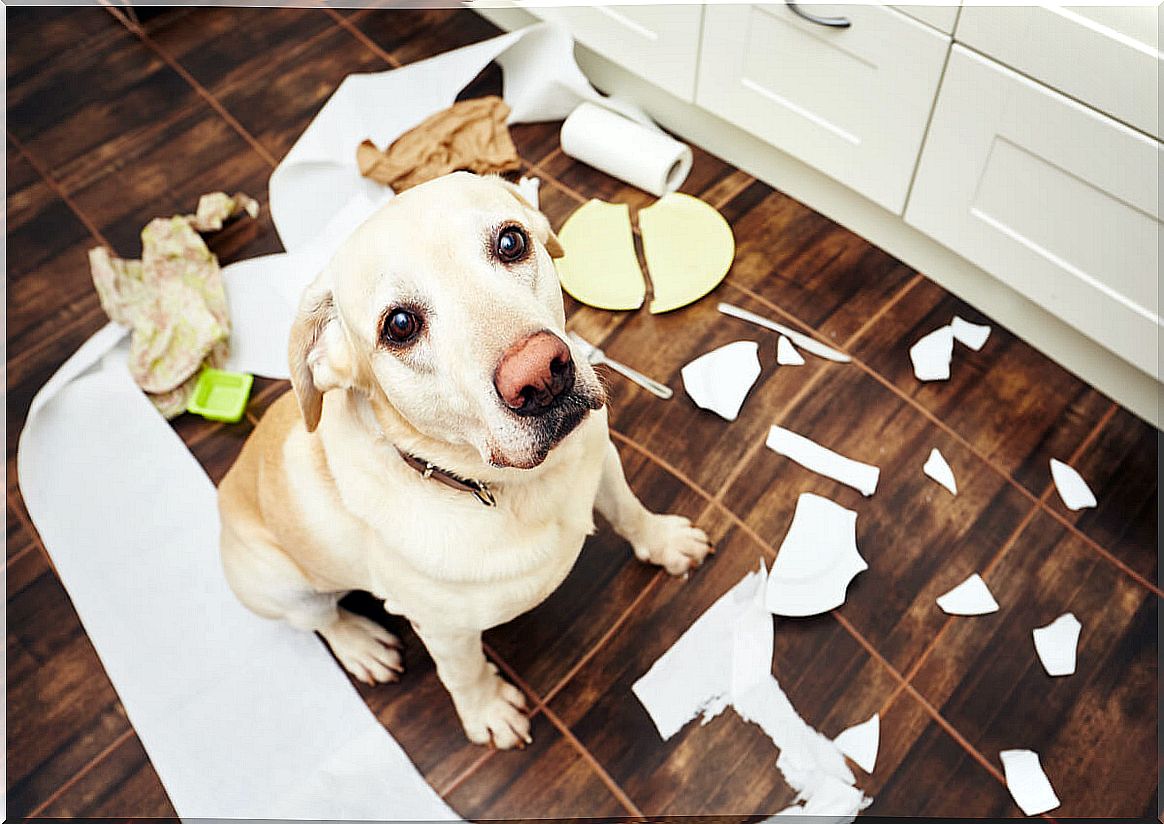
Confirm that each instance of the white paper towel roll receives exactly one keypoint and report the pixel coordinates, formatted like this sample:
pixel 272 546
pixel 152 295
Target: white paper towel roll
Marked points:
pixel 634 153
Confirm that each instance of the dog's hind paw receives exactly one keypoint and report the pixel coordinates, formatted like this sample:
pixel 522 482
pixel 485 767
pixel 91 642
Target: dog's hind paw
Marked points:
pixel 366 650
pixel 499 720
pixel 672 542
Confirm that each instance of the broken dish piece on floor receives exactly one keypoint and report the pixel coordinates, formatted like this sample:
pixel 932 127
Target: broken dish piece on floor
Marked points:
pixel 937 468
pixel 529 188
pixel 1056 644
pixel 1074 491
pixel 721 379
pixel 969 334
pixel 786 354
pixel 1027 782
pixel 860 742
pixel 931 355
pixel 971 597
pixel 599 267
pixel 805 342
pixel 819 459
pixel 817 560
pixel 689 248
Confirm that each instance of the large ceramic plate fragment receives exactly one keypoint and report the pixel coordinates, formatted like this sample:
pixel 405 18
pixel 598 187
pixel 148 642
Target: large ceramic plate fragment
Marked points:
pixel 600 268
pixel 817 560
pixel 689 248
pixel 722 378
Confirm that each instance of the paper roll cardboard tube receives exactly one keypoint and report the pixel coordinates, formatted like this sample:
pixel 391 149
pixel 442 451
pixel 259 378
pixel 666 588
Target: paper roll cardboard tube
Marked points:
pixel 634 153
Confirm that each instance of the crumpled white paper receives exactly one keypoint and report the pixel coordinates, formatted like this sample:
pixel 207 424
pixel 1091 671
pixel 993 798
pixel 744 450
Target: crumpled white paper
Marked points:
pixel 243 717
pixel 725 659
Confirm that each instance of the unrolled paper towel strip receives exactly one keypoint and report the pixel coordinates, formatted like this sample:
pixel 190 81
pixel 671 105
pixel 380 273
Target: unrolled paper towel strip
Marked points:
pixel 632 152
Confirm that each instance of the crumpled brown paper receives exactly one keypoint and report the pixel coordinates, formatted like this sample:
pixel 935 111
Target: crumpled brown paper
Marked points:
pixel 468 135
pixel 173 300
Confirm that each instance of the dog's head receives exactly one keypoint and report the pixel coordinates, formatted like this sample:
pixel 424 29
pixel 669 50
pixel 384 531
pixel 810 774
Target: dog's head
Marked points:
pixel 445 308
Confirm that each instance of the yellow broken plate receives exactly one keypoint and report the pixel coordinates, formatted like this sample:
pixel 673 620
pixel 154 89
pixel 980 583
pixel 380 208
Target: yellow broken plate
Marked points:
pixel 600 268
pixel 689 248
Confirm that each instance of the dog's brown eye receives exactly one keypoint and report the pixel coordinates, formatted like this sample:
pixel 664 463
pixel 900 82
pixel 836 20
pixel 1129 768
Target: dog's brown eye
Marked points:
pixel 400 326
pixel 511 244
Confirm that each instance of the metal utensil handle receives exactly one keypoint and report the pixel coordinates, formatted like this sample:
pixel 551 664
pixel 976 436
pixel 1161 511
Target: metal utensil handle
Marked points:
pixel 834 22
pixel 652 386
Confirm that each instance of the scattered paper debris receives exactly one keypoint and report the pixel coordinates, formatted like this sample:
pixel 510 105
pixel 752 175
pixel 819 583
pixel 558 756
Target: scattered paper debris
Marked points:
pixel 530 188
pixel 722 378
pixel 971 597
pixel 688 247
pixel 1074 491
pixel 812 455
pixel 805 342
pixel 600 267
pixel 969 334
pixel 860 742
pixel 1027 782
pixel 1056 644
pixel 816 561
pixel 724 660
pixel 786 354
pixel 931 355
pixel 937 468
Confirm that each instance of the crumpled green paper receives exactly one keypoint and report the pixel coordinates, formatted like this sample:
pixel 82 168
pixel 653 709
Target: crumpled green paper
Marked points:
pixel 173 299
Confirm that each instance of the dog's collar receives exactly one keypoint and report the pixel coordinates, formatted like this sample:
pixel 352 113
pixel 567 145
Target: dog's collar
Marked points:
pixel 479 489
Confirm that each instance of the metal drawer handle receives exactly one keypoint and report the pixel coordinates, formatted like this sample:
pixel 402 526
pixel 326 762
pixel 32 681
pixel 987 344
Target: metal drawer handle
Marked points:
pixel 835 22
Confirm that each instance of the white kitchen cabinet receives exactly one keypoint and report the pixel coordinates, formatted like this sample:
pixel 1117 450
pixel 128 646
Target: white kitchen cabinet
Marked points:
pixel 1056 200
pixel 1105 56
pixel 658 43
pixel 853 102
pixel 942 18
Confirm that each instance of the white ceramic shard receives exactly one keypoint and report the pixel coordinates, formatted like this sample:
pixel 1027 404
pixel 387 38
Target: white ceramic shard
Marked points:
pixel 1074 491
pixel 1027 782
pixel 721 379
pixel 931 355
pixel 817 560
pixel 937 468
pixel 812 455
pixel 1056 644
pixel 529 188
pixel 969 334
pixel 971 597
pixel 860 742
pixel 786 354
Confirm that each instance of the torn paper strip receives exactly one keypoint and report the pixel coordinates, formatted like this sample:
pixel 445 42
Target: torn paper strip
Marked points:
pixel 725 660
pixel 1027 782
pixel 931 355
pixel 1074 491
pixel 786 354
pixel 860 742
pixel 812 455
pixel 971 597
pixel 969 334
pixel 816 561
pixel 1056 644
pixel 937 468
pixel 721 379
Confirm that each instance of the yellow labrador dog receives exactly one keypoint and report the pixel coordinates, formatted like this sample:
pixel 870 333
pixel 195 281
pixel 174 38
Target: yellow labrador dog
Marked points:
pixel 444 448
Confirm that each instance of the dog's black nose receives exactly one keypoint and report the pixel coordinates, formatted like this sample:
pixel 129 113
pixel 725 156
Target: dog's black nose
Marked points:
pixel 533 373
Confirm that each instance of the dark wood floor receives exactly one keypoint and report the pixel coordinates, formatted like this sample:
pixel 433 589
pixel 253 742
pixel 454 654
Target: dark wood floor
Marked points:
pixel 111 124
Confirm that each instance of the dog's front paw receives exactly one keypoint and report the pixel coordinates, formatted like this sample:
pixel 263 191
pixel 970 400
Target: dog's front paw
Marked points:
pixel 497 717
pixel 366 649
pixel 672 542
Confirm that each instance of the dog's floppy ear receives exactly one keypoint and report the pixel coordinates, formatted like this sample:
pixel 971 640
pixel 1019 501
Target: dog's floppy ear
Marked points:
pixel 318 351
pixel 538 221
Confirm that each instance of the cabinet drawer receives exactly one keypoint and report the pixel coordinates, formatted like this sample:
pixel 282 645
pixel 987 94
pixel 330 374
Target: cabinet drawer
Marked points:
pixel 942 18
pixel 1105 56
pixel 852 102
pixel 1059 202
pixel 658 43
